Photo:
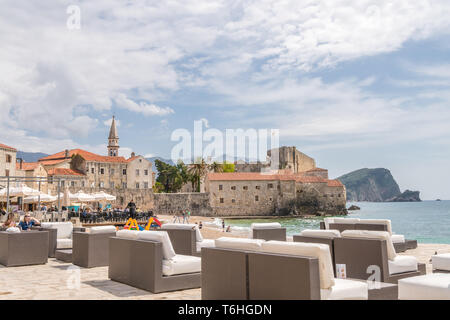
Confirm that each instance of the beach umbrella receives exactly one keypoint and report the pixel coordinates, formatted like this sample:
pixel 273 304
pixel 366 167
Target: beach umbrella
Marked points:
pixel 103 196
pixel 80 196
pixel 44 198
pixel 67 196
pixel 21 191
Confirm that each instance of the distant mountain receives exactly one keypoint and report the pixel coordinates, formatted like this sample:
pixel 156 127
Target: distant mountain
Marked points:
pixel 374 185
pixel 30 156
pixel 152 160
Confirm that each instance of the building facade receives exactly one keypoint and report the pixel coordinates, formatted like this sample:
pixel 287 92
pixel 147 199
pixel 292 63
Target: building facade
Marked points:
pixel 255 194
pixel 7 160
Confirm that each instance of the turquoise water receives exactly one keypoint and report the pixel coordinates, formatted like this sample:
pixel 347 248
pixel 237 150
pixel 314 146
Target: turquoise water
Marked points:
pixel 427 221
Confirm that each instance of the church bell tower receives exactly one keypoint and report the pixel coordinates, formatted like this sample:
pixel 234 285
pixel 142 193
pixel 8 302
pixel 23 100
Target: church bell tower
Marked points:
pixel 113 140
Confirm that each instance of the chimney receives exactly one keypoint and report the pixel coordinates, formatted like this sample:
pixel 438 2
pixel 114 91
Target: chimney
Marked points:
pixel 20 163
pixel 67 153
pixel 133 154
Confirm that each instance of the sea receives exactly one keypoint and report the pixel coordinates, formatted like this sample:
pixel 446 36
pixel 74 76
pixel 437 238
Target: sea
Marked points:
pixel 426 221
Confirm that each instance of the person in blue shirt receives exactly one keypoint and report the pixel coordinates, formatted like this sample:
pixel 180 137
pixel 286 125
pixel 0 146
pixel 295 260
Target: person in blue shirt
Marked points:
pixel 28 222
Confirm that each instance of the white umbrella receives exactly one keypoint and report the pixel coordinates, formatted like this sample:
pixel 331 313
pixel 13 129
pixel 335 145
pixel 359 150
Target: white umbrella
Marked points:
pixel 103 196
pixel 44 198
pixel 80 196
pixel 22 191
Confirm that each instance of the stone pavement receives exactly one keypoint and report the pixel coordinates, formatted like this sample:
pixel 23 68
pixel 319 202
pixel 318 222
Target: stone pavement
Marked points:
pixel 59 281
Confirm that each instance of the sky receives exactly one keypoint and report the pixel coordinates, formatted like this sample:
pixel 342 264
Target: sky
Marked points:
pixel 354 84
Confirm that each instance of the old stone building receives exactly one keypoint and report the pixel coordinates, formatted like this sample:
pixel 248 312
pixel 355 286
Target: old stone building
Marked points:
pixel 289 158
pixel 97 171
pixel 33 170
pixel 7 161
pixel 247 194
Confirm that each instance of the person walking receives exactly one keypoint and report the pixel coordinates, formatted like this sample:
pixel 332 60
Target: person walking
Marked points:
pixel 188 215
pixel 223 225
pixel 132 207
pixel 183 213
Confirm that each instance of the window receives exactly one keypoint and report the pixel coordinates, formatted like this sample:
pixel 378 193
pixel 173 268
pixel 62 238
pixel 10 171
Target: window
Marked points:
pixel 220 187
pixel 102 184
pixel 233 200
pixel 92 170
pixel 83 184
pixel 111 184
pixel 137 185
pixel 339 195
pixel 124 172
pixel 7 173
pixel 8 158
pixel 270 185
pixel 258 187
pixel 124 185
pixel 278 187
pixel 146 172
pixel 72 183
pixel 221 200
pixel 112 172
pixel 245 187
pixel 270 199
pixel 137 172
pixel 62 183
pixel 145 185
pixel 102 171
pixel 233 187
pixel 256 198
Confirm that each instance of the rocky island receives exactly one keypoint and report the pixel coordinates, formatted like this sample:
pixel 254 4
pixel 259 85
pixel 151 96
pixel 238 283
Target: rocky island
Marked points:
pixel 375 185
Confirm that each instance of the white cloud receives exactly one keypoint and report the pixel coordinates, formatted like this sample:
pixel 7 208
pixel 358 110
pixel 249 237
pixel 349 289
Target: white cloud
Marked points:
pixel 146 109
pixel 244 50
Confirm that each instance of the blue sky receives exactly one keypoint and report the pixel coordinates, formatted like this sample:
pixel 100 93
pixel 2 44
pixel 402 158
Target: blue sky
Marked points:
pixel 351 83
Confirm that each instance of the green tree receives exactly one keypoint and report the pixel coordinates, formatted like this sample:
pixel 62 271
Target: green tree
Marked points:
pixel 228 167
pixel 169 177
pixel 216 167
pixel 198 171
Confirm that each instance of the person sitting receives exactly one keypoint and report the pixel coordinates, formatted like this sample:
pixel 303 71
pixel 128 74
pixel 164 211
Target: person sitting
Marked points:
pixel 9 223
pixel 28 222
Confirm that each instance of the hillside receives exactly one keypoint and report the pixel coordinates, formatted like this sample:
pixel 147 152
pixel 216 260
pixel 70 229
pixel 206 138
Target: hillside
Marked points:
pixel 375 185
pixel 30 156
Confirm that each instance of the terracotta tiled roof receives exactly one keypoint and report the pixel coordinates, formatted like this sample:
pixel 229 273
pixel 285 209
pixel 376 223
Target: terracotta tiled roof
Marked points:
pixel 4 146
pixel 26 166
pixel 334 183
pixel 64 172
pixel 132 158
pixel 51 162
pixel 88 156
pixel 316 169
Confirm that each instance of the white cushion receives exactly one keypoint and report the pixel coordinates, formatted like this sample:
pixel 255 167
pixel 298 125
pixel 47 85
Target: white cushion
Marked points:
pixel 366 234
pixel 346 220
pixel 127 234
pixel 64 228
pixel 160 236
pixel 180 264
pixel 206 243
pixel 274 225
pixel 13 230
pixel 441 261
pixel 327 222
pixel 314 250
pixel 102 229
pixel 398 238
pixel 434 286
pixel 187 226
pixel 345 289
pixel 239 243
pixel 321 233
pixel 378 221
pixel 64 243
pixel 402 264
